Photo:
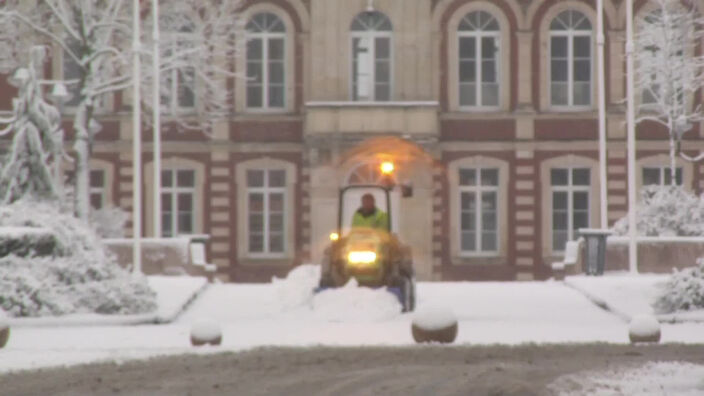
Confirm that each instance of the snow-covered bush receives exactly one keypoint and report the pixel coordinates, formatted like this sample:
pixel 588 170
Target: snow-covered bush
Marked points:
pixel 109 222
pixel 666 211
pixel 79 277
pixel 683 291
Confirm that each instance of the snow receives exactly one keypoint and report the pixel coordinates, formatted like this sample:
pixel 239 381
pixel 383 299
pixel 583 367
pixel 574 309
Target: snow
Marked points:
pixel 352 303
pixel 644 326
pixel 434 317
pixel 205 330
pixel 297 288
pixel 349 303
pixel 172 295
pixel 179 244
pixel 253 315
pixel 650 379
pixel 627 295
pixel 623 293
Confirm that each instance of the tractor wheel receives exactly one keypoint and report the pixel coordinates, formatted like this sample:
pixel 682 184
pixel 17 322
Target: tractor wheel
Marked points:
pixel 412 300
pixel 408 295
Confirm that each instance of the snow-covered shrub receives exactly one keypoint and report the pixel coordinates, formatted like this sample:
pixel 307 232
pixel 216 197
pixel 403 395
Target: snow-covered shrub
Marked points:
pixel 666 211
pixel 80 277
pixel 26 241
pixel 683 291
pixel 109 222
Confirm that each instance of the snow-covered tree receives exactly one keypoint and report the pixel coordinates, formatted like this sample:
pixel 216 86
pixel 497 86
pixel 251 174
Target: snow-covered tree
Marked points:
pixel 669 69
pixel 95 38
pixel 37 142
pixel 666 211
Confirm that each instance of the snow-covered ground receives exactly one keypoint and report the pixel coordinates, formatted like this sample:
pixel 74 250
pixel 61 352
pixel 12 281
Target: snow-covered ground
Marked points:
pixel 285 313
pixel 172 294
pixel 629 295
pixel 651 379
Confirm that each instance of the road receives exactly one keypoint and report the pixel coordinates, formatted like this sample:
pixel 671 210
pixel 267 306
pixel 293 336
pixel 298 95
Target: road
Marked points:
pixel 412 370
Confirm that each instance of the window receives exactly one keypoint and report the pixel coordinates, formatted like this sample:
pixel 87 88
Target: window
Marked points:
pixel 478 36
pixel 72 74
pixel 570 204
pixel 371 57
pixel 179 82
pixel 266 74
pixel 651 58
pixel 570 60
pixel 97 182
pixel 478 188
pixel 266 210
pixel 177 201
pixel 661 176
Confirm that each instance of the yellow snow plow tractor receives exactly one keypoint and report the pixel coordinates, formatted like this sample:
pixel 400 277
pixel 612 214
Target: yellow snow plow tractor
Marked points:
pixel 366 249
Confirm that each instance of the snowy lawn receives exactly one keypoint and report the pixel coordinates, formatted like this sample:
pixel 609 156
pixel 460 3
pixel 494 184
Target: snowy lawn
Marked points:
pixel 628 295
pixel 658 378
pixel 284 314
pixel 173 293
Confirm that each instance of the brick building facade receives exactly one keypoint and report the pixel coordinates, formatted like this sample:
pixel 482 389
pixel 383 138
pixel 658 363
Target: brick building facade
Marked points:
pixel 501 94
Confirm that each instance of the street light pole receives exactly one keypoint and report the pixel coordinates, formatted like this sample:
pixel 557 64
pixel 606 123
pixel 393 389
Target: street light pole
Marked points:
pixel 602 115
pixel 157 120
pixel 631 141
pixel 136 143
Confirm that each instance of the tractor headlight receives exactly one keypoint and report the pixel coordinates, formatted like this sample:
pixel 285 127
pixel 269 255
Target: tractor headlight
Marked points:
pixel 361 257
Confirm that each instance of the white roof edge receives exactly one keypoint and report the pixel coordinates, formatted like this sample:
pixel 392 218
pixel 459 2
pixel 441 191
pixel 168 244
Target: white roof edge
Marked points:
pixel 333 103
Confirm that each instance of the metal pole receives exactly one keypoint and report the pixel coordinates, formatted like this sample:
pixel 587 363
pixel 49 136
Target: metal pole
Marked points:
pixel 632 248
pixel 157 120
pixel 136 143
pixel 602 115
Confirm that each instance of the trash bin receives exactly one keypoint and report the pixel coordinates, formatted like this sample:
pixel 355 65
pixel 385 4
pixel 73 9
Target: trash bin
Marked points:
pixel 595 248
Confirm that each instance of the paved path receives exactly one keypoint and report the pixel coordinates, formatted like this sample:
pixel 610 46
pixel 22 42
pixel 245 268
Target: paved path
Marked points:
pixel 252 316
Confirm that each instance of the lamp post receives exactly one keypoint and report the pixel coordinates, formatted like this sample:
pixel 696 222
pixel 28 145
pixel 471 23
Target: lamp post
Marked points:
pixel 136 143
pixel 631 141
pixel 156 107
pixel 602 115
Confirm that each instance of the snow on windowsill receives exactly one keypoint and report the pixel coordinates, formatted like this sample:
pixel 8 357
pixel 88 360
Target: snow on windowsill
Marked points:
pixel 350 103
pixel 681 239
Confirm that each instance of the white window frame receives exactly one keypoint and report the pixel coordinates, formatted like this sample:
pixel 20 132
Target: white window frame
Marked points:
pixel 663 170
pixel 570 189
pixel 571 34
pixel 102 190
pixel 478 191
pixel 174 190
pixel 372 35
pixel 173 78
pixel 73 88
pixel 266 191
pixel 265 38
pixel 478 35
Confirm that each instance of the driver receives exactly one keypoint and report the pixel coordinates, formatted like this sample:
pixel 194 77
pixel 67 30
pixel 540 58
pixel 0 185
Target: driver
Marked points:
pixel 369 216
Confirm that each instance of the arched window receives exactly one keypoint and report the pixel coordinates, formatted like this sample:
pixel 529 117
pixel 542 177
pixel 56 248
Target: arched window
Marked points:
pixel 479 37
pixel 266 75
pixel 570 60
pixel 367 173
pixel 371 57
